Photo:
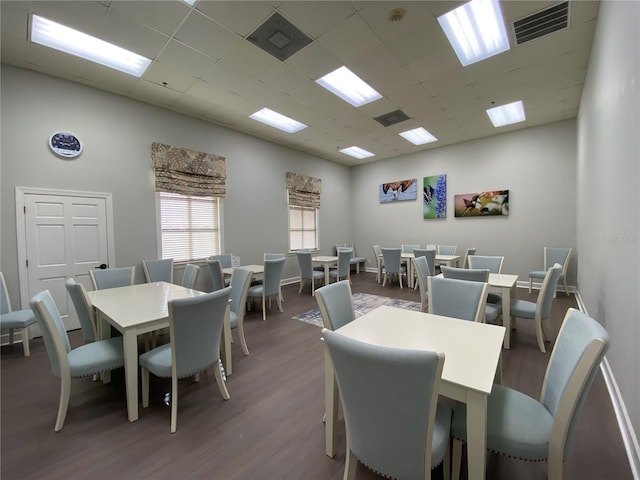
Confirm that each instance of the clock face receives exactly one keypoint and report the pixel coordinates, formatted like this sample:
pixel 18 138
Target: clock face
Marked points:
pixel 65 144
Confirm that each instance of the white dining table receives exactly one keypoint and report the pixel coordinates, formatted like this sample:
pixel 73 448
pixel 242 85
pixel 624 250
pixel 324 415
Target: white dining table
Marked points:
pixel 326 261
pixel 138 309
pixel 472 360
pixel 448 260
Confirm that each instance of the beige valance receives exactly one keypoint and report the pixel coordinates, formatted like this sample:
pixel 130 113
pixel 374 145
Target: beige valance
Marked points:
pixel 188 172
pixel 304 191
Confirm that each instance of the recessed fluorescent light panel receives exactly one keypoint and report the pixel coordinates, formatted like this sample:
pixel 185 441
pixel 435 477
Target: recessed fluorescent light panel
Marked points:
pixel 418 136
pixel 54 35
pixel 507 114
pixel 189 2
pixel 357 152
pixel 476 30
pixel 349 87
pixel 277 120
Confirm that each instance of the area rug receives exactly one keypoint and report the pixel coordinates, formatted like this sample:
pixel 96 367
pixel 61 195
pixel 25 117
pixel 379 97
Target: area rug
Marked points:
pixel 362 303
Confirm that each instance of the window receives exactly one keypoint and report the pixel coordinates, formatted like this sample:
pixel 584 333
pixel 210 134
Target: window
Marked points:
pixel 303 228
pixel 189 226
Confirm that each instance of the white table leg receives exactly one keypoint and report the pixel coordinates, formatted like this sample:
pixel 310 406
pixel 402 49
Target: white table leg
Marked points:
pixel 130 340
pixel 379 265
pixel 326 274
pixel 331 406
pixel 476 434
pixel 104 331
pixel 506 316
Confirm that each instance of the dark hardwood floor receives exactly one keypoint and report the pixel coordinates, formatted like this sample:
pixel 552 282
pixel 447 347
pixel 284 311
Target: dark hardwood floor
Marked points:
pixel 270 429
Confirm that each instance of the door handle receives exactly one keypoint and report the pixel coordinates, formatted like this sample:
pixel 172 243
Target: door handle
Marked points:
pixel 102 267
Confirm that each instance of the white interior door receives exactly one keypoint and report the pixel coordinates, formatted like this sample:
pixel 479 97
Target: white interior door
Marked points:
pixel 65 236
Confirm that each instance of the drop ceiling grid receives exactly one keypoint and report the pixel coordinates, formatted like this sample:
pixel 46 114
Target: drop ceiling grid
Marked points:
pixel 163 16
pixel 239 17
pixel 316 18
pixel 132 36
pixel 202 34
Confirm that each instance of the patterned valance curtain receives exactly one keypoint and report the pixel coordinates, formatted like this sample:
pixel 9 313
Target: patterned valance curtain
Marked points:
pixel 304 191
pixel 188 172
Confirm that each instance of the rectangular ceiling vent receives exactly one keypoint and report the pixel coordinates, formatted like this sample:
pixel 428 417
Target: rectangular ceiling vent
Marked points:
pixel 279 37
pixel 541 23
pixel 391 118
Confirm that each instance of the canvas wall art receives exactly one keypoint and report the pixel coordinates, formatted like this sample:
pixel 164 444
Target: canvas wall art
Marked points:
pixel 400 190
pixel 434 197
pixel 482 204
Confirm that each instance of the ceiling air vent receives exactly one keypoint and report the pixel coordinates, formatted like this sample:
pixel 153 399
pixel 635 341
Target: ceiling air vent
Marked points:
pixel 391 118
pixel 279 37
pixel 541 23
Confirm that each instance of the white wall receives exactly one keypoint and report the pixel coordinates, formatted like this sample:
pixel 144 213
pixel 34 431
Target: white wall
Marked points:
pixel 537 165
pixel 607 192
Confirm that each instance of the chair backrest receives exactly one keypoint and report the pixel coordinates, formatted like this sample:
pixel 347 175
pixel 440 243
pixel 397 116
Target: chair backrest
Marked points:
pixel 344 261
pixel 111 277
pixel 469 252
pixel 53 331
pixel 195 327
pixel 225 259
pixel 430 255
pixel 581 344
pixel 391 258
pixel 273 256
pixel 408 248
pixel 553 255
pixel 305 264
pixel 158 270
pixel 5 302
pixel 461 299
pixel 493 263
pixel 217 277
pixel 545 296
pixel 421 268
pixel 190 275
pixel 272 276
pixel 83 308
pixel 389 417
pixel 240 282
pixel 336 304
pixel 471 274
pixel 447 249
pixel 376 251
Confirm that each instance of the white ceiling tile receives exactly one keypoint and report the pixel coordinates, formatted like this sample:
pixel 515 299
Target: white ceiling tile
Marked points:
pixel 87 17
pixel 238 16
pixel 350 38
pixel 155 94
pixel 283 78
pixel 168 77
pixel 132 36
pixel 250 59
pixel 314 61
pixel 227 77
pixel 162 15
pixel 206 36
pixel 316 18
pixel 185 59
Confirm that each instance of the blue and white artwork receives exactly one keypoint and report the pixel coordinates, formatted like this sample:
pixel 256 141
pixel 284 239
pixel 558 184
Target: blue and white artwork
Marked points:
pixel 398 191
pixel 434 196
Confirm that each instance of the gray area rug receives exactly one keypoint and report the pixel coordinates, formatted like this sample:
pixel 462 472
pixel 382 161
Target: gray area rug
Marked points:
pixel 362 303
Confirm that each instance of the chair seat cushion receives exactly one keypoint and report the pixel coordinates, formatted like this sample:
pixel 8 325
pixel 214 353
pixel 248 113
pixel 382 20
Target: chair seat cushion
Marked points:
pixel 537 274
pixel 17 319
pixel 441 433
pixel 355 260
pixel 96 357
pixel 318 275
pixel 523 309
pixel 494 298
pixel 492 311
pixel 255 290
pixel 517 425
pixel 158 361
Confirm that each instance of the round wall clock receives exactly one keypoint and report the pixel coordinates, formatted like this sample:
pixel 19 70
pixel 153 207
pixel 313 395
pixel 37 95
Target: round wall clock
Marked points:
pixel 65 144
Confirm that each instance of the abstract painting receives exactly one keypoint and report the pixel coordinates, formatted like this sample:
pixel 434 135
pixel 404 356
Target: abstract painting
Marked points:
pixel 434 197
pixel 400 190
pixel 482 204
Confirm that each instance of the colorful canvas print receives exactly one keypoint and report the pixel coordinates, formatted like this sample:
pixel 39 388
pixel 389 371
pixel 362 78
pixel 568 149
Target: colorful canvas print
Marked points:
pixel 482 204
pixel 434 197
pixel 400 190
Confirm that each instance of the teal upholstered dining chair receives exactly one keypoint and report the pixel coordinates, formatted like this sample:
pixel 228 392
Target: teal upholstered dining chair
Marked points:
pixel 446 249
pixel 394 423
pixel 540 310
pixel 355 260
pixel 492 310
pixel 409 247
pixel 67 363
pixel 392 265
pixel 190 275
pixel 430 255
pixel 377 252
pixel 83 308
pixel 158 270
pixel 343 270
pixel 553 255
pixel 195 325
pixel 461 299
pixel 240 282
pixel 307 273
pixel 421 267
pixel 336 304
pixel 468 253
pixel 270 285
pixel 217 277
pixel 542 429
pixel 111 277
pixel 494 265
pixel 15 319
pixel 226 261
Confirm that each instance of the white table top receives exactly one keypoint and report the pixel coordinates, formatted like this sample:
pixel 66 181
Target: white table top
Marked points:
pixel 255 269
pixel 472 350
pixel 324 259
pixel 500 280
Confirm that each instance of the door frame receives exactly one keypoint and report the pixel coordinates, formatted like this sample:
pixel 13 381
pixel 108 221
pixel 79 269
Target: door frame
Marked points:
pixel 21 230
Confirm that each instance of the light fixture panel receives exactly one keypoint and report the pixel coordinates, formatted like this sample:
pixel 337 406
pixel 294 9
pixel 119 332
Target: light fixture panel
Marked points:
pixel 418 136
pixel 507 114
pixel 278 120
pixel 349 87
pixel 357 152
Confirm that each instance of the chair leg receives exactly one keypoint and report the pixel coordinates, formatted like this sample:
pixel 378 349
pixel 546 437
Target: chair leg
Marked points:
pixel 243 340
pixel 63 406
pixel 174 403
pixel 301 284
pixel 11 336
pixel 350 465
pixel 456 459
pixel 280 300
pixel 264 307
pixel 144 380
pixel 25 341
pixel 540 336
pixel 566 289
pixel 530 283
pixel 446 464
pixel 222 386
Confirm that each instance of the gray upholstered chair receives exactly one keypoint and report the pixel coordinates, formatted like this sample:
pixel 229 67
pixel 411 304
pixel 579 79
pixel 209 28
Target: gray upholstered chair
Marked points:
pixel 158 270
pixel 190 275
pixel 111 277
pixel 196 325
pixel 446 249
pixel 394 423
pixel 430 255
pixel 273 256
pixel 355 260
pixel 541 309
pixel 307 273
pixel 409 248
pixel 270 285
pixel 225 259
pixel 240 282
pixel 67 363
pixel 492 310
pixel 468 253
pixel 392 265
pixel 421 267
pixel 14 319
pixel 377 252
pixel 343 270
pixel 217 277
pixel 457 298
pixel 494 265
pixel 336 304
pixel 83 308
pixel 522 427
pixel 552 256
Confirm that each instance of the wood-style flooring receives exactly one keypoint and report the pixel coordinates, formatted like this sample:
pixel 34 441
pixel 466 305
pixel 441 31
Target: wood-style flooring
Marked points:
pixel 270 429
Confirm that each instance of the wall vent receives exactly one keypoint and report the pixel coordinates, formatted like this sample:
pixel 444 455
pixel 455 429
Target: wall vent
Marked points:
pixel 391 118
pixel 541 23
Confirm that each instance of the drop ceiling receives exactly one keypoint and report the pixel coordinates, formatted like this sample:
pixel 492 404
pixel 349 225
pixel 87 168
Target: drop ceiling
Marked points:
pixel 205 66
